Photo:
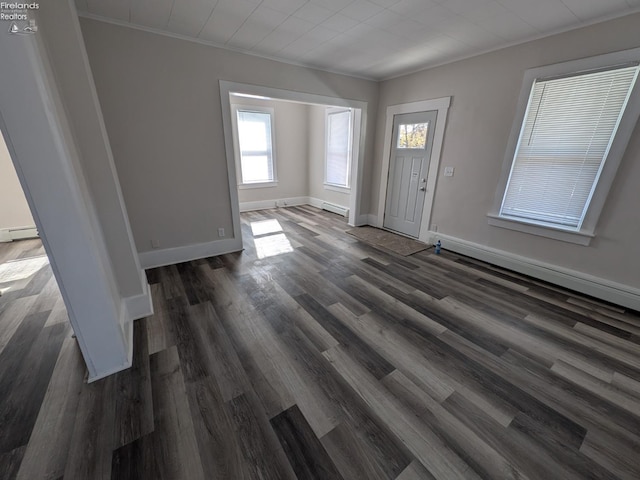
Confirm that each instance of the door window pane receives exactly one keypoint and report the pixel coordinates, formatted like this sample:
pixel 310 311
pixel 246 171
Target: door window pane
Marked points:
pixel 412 135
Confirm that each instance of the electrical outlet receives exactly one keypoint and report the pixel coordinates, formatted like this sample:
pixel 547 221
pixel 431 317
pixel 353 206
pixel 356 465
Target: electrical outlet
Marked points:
pixel 448 171
pixel 155 243
pixel 221 232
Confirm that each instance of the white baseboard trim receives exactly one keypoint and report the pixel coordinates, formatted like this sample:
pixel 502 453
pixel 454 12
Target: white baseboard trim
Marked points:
pixel 11 234
pixel 131 308
pixel 315 202
pixel 292 201
pixel 171 256
pixel 362 220
pixel 287 202
pixel 137 306
pixel 367 219
pixel 111 371
pixel 127 331
pixel 371 219
pixel 603 289
pixel 275 203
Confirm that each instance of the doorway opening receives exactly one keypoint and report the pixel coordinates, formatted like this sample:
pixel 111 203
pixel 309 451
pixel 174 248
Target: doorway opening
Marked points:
pixel 289 148
pixel 34 325
pixel 28 287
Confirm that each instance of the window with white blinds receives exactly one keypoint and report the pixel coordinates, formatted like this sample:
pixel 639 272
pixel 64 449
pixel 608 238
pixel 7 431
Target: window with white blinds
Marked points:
pixel 255 141
pixel 338 148
pixel 564 141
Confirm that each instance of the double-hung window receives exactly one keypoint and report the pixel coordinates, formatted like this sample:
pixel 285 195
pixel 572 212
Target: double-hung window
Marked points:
pixel 339 126
pixel 567 137
pixel 254 146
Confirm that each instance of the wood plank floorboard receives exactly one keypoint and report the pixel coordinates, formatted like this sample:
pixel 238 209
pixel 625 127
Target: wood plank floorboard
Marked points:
pixel 22 401
pixel 312 355
pixel 43 457
pixel 263 455
pixel 134 402
pixel 353 459
pixel 306 454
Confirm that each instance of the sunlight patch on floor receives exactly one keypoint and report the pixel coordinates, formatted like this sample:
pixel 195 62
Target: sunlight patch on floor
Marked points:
pixel 22 268
pixel 265 227
pixel 272 245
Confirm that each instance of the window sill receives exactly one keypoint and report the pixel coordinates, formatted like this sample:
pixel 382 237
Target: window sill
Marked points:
pixel 578 237
pixel 245 186
pixel 337 188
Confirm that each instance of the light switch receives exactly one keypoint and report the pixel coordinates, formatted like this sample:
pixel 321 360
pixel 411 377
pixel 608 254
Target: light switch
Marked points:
pixel 448 171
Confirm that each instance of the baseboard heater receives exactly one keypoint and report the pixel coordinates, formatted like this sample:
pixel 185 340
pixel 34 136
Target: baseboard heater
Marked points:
pixel 333 208
pixel 11 234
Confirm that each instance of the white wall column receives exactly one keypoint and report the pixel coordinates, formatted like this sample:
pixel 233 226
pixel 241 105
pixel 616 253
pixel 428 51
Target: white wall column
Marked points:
pixel 37 134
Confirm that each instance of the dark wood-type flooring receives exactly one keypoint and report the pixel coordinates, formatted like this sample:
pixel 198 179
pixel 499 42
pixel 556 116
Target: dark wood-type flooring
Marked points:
pixel 312 355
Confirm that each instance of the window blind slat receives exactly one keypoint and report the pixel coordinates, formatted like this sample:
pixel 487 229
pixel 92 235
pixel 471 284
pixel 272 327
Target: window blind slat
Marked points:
pixel 567 131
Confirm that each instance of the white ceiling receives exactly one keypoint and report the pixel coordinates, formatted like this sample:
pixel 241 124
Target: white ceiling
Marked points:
pixel 368 38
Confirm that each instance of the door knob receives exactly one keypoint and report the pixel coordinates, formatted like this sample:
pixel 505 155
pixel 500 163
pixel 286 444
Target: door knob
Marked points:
pixel 423 189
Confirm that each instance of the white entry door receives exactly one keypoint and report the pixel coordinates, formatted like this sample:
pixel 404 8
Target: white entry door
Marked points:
pixel 411 146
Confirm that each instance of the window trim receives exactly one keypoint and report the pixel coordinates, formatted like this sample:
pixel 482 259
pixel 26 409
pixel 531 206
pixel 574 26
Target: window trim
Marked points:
pixel 586 231
pixel 334 186
pixel 235 108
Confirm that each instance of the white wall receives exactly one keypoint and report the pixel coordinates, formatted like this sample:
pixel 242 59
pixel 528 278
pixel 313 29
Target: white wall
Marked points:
pixel 161 104
pixel 291 146
pixel 61 34
pixel 14 210
pixel 317 147
pixel 485 91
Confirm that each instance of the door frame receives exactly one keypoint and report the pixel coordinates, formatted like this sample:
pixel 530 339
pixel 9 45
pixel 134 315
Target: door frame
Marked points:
pixel 400 223
pixel 441 105
pixel 357 160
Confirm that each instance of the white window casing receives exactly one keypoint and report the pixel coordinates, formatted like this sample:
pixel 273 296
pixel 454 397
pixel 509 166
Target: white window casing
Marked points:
pixel 572 126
